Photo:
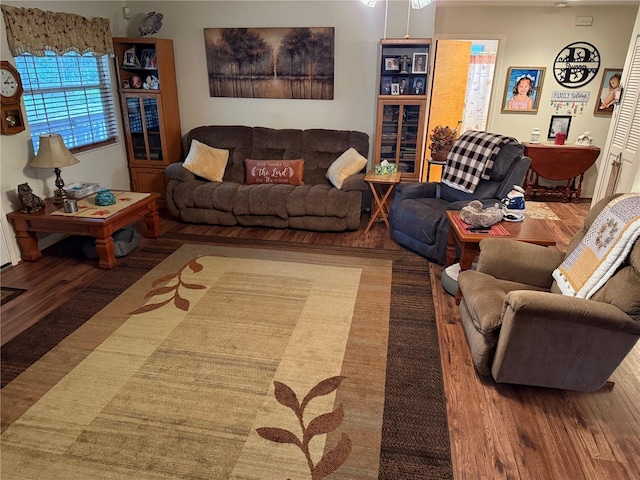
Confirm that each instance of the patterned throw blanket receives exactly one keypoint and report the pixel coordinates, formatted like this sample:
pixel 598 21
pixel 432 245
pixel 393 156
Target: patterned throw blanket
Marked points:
pixel 602 250
pixel 471 159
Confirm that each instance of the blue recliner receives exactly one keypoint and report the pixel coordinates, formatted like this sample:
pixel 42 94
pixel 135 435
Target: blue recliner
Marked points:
pixel 417 217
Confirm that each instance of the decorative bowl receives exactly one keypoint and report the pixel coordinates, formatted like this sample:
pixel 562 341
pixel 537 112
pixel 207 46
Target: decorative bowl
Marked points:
pixel 105 197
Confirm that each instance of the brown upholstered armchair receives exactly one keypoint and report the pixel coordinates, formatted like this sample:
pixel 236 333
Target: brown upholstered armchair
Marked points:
pixel 522 330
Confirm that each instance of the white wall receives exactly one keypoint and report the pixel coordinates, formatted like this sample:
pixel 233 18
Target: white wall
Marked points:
pixel 533 36
pixel 358 30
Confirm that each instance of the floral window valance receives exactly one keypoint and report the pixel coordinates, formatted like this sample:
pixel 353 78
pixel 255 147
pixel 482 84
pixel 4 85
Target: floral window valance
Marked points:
pixel 31 30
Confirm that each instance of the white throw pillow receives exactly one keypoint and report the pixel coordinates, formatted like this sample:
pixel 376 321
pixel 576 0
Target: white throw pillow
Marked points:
pixel 206 162
pixel 347 164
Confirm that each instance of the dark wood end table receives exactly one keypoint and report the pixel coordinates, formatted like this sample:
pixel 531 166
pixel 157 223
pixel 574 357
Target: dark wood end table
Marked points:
pixel 27 225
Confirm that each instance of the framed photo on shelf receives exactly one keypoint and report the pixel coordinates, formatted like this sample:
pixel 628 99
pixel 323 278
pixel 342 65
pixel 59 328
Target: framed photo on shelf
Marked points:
pixel 609 92
pixel 126 84
pixel 129 58
pixel 559 123
pixel 395 88
pixel 385 86
pixel 417 87
pixel 522 89
pixel 419 64
pixel 149 60
pixel 391 64
pixel 136 82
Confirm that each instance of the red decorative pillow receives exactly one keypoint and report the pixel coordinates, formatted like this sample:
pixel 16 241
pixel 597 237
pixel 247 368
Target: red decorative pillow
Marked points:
pixel 274 171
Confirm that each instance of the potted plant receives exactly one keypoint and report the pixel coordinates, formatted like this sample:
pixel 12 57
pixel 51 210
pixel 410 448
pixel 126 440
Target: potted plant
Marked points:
pixel 442 139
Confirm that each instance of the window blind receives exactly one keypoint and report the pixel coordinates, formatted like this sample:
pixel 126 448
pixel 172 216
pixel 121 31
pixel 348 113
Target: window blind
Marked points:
pixel 71 95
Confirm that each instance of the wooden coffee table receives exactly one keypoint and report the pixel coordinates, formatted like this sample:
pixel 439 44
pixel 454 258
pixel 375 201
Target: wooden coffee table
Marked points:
pixel 27 225
pixel 530 230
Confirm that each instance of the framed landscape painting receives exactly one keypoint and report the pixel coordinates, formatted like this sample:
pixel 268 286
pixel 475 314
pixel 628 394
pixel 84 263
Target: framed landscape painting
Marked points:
pixel 522 89
pixel 295 63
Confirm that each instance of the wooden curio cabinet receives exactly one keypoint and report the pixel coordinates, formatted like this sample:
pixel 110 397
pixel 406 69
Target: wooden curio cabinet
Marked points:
pixel 150 114
pixel 403 100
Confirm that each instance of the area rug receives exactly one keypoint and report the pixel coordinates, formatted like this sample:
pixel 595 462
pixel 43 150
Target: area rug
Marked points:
pixel 540 210
pixel 8 293
pixel 241 363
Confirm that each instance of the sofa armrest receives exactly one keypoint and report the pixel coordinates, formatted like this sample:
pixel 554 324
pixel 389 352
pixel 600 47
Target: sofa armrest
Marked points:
pixel 553 307
pixel 176 171
pixel 354 182
pixel 563 342
pixel 415 190
pixel 528 263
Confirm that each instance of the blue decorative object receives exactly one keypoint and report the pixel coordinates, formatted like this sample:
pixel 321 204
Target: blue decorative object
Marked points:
pixel 105 197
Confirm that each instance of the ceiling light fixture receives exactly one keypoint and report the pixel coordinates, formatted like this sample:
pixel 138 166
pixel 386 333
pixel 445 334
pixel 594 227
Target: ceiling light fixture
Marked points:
pixel 560 4
pixel 369 3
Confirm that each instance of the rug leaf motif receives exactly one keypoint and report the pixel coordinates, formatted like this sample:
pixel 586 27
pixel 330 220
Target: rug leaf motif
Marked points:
pixel 321 425
pixel 179 301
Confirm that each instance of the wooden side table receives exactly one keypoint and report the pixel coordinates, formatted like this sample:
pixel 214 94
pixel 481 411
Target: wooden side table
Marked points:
pixel 27 225
pixel 438 163
pixel 561 163
pixel 381 187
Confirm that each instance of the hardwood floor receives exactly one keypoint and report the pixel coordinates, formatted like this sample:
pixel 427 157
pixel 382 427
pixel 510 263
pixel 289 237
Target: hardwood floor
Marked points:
pixel 496 431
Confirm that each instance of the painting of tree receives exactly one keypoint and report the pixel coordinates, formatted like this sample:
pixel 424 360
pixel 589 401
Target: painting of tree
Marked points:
pixel 296 63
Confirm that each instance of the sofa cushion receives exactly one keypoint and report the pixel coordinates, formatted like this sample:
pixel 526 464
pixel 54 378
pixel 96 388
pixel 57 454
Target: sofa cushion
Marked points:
pixel 274 171
pixel 262 200
pixel 347 164
pixel 206 162
pixel 504 160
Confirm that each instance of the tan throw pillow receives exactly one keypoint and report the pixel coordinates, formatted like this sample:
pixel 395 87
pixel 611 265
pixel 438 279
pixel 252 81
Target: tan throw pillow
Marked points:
pixel 274 171
pixel 206 162
pixel 344 166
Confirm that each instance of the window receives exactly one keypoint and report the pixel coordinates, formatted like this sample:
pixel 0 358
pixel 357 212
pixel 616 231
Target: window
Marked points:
pixel 71 95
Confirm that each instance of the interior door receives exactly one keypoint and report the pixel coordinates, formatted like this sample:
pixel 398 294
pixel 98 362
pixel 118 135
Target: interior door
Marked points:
pixel 449 87
pixel 621 161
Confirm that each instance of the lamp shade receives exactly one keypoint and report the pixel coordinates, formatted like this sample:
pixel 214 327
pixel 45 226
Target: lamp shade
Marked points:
pixel 53 153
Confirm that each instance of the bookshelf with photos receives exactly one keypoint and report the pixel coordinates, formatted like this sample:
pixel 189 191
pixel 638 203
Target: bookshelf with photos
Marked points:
pixel 403 100
pixel 149 103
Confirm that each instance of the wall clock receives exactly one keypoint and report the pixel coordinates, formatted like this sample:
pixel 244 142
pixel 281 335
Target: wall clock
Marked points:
pixel 576 64
pixel 11 120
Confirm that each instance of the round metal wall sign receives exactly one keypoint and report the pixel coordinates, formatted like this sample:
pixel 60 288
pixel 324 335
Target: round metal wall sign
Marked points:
pixel 576 64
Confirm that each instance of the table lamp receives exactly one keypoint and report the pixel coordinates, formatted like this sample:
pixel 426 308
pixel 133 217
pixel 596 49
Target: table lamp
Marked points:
pixel 54 154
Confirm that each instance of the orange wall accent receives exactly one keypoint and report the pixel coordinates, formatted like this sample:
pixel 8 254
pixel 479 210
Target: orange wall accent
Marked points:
pixel 449 89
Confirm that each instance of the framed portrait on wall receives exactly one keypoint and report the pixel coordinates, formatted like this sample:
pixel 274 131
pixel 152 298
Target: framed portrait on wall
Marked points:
pixel 522 89
pixel 609 92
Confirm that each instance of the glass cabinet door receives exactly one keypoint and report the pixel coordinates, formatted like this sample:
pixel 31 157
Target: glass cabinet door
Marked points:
pixel 409 139
pixel 144 128
pixel 389 133
pixel 399 141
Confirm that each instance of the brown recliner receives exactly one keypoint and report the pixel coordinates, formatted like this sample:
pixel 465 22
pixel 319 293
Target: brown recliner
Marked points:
pixel 522 330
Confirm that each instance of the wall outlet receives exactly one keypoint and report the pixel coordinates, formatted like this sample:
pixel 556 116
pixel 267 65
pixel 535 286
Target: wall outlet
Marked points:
pixel 126 13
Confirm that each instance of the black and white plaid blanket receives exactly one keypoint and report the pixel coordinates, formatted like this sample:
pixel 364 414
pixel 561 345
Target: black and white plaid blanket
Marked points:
pixel 471 159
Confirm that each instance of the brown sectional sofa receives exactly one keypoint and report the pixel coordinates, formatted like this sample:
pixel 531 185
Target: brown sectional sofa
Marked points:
pixel 316 205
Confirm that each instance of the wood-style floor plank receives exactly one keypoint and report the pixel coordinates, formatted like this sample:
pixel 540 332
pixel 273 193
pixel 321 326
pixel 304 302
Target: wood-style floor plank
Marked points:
pixel 496 431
